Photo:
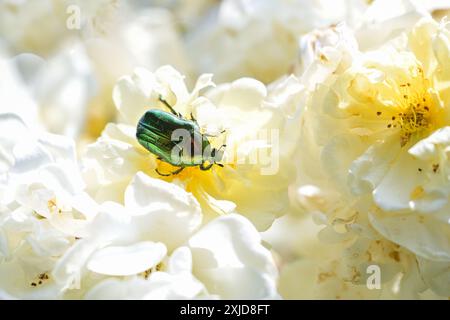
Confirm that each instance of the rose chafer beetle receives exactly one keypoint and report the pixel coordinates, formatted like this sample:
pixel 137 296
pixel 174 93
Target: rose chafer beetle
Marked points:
pixel 176 140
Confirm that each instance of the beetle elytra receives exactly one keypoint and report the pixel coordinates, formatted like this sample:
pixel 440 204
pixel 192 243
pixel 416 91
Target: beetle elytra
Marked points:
pixel 176 140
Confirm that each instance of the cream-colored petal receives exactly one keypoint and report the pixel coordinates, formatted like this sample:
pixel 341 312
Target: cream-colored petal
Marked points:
pixel 424 235
pixel 230 260
pixel 127 260
pixel 162 211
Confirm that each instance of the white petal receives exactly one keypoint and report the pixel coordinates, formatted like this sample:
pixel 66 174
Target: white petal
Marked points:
pixel 423 235
pixel 224 206
pixel 428 148
pixel 127 260
pixel 246 93
pixel 66 224
pixel 337 156
pixel 441 49
pixel 113 288
pixel 168 76
pixel 163 211
pixel 380 24
pixel 118 157
pixel 60 147
pixel 436 275
pixel 158 286
pixel 180 286
pixel 13 130
pixel 65 178
pixel 84 204
pixel 29 155
pixel 131 95
pixel 180 261
pixel 430 201
pixel 396 189
pixel 111 223
pixel 4 250
pixel 68 269
pixel 368 170
pixel 204 81
pixel 230 260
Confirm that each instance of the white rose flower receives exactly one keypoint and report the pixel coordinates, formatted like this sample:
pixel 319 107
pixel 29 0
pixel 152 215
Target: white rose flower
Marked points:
pixel 378 126
pixel 43 207
pixel 372 28
pixel 188 13
pixel 15 95
pixel 258 38
pixel 18 25
pixel 378 25
pixel 323 51
pixel 327 264
pixel 59 22
pixel 65 70
pixel 254 119
pixel 154 247
pixel 139 37
pixel 62 86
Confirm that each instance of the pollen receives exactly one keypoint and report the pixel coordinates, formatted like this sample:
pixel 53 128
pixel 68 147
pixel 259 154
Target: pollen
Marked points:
pixel 414 110
pixel 52 206
pixel 40 279
pixel 417 193
pixel 415 116
pixel 435 167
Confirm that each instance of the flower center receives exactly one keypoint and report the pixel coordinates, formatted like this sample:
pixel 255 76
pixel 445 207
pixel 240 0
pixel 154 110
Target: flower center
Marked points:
pixel 415 111
pixel 413 108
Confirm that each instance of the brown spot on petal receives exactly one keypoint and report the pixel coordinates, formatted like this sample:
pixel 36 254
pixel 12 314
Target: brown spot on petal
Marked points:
pixel 395 255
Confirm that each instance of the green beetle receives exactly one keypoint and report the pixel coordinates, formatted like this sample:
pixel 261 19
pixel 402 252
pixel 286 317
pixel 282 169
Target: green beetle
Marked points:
pixel 176 140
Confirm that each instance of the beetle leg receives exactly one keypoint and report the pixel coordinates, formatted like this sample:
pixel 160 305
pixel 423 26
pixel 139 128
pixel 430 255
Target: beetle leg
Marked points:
pixel 192 118
pixel 178 171
pixel 170 174
pixel 214 135
pixel 204 168
pixel 169 106
pixel 213 153
pixel 162 174
pixel 210 135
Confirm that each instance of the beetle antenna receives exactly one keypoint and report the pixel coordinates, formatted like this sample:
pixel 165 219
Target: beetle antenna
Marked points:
pixel 222 146
pixel 169 106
